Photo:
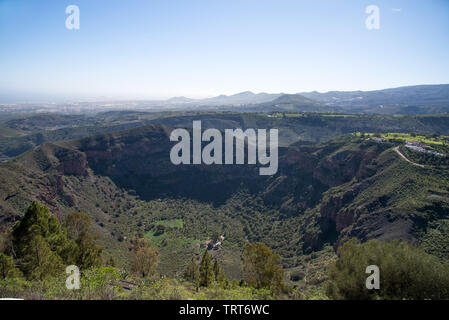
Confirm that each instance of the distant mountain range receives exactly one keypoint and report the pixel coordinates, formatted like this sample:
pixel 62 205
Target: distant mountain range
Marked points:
pixel 412 95
pixel 242 98
pixel 422 95
pixel 239 99
pixel 402 100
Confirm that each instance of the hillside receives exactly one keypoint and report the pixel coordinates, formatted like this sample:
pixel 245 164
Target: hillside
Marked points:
pixel 241 98
pixel 293 126
pixel 322 195
pixel 291 103
pixel 408 100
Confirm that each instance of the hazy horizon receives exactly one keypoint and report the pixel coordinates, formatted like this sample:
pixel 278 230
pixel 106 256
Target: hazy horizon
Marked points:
pixel 14 98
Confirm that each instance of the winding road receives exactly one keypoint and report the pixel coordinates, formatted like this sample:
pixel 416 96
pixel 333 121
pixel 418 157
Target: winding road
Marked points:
pixel 405 158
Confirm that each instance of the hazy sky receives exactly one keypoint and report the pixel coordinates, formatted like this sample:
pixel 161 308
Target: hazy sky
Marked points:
pixel 157 49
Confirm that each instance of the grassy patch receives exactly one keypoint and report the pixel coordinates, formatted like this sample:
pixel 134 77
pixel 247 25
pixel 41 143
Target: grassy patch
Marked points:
pixel 434 139
pixel 172 223
pixel 155 239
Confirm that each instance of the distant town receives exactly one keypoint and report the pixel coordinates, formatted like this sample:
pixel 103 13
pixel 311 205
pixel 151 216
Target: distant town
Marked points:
pixel 414 145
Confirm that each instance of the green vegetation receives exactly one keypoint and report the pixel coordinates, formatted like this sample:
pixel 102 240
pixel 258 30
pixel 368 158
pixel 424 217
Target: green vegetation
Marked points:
pixel 152 222
pixel 261 267
pixel 145 258
pixel 78 228
pixel 105 283
pixel 173 223
pixel 428 139
pixel 207 275
pixel 405 272
pixel 7 267
pixel 41 248
pixel 303 114
pixel 26 132
pixel 338 184
pixel 192 272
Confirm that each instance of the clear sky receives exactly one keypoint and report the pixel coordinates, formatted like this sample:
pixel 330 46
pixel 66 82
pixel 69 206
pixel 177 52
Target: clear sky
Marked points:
pixel 161 48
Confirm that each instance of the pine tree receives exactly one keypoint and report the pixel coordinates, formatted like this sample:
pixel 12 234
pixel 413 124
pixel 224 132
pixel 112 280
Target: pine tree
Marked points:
pixel 219 274
pixel 78 228
pixel 38 261
pixel 42 247
pixel 207 276
pixel 7 267
pixel 40 243
pixel 192 272
pixel 38 221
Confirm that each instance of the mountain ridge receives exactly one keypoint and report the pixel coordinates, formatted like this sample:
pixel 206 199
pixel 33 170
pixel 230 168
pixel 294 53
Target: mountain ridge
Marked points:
pixel 412 95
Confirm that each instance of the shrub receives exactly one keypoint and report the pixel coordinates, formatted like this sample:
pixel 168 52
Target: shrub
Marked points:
pixel 7 267
pixel 406 272
pixel 261 267
pixel 101 283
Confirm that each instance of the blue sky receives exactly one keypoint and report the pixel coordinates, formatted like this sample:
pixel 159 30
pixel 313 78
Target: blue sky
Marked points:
pixel 156 49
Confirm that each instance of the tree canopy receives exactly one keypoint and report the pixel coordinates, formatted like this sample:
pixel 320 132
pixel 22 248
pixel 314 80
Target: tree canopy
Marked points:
pixel 42 247
pixel 261 267
pixel 406 272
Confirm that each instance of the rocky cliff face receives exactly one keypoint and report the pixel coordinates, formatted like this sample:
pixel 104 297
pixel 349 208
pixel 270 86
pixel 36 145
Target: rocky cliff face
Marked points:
pixel 332 208
pixel 74 163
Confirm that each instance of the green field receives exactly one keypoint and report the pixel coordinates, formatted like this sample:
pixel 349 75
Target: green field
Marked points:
pixel 172 223
pixel 288 115
pixel 339 115
pixel 435 140
pixel 302 114
pixel 158 239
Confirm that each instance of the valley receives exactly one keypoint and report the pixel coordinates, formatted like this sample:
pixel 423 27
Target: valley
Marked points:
pixel 324 193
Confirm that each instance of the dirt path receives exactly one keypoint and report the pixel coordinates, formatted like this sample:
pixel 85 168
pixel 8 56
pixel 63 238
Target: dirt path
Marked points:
pixel 405 158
